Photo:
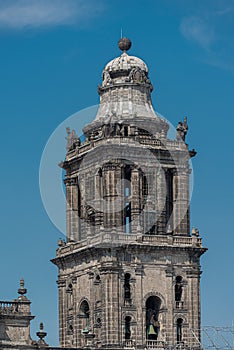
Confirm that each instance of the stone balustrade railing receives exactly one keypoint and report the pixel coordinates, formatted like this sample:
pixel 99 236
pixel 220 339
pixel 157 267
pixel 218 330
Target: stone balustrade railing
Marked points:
pixel 180 305
pixel 155 344
pixel 123 238
pixel 144 140
pixel 12 307
pixel 129 344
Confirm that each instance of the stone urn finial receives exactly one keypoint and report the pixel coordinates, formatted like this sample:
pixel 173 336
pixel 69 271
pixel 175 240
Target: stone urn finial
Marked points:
pixel 41 335
pixel 22 290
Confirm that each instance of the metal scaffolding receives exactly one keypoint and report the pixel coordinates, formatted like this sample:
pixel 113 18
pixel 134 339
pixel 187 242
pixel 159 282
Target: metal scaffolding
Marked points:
pixel 217 338
pixel 211 338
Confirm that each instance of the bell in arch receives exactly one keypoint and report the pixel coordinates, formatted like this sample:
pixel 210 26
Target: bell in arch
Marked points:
pixel 151 330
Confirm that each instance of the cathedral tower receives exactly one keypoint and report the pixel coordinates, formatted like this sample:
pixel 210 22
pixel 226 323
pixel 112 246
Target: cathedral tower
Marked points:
pixel 129 272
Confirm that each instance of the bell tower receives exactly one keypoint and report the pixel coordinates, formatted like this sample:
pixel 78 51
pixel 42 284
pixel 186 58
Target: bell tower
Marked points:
pixel 129 271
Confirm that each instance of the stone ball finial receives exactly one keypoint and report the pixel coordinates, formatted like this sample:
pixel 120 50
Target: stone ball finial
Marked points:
pixel 124 44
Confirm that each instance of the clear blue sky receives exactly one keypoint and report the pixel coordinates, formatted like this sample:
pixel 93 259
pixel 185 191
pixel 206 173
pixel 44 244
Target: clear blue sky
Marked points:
pixel 52 56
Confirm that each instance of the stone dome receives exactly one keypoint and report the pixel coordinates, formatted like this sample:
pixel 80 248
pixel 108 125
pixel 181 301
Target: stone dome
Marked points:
pixel 125 94
pixel 125 63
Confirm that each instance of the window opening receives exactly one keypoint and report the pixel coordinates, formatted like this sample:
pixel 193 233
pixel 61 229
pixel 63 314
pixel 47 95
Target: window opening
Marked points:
pixel 178 288
pixel 127 286
pixel 179 330
pixel 84 308
pixel 127 327
pixel 153 304
pixel 127 193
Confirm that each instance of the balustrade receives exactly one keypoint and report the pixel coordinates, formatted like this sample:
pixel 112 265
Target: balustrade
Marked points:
pixel 155 344
pixel 7 308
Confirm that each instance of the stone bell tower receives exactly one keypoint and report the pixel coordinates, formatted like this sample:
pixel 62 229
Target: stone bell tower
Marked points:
pixel 129 272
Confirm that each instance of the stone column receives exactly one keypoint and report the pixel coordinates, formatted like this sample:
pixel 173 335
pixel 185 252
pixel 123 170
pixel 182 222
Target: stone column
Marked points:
pixel 62 312
pixel 98 200
pixel 111 327
pixel 194 318
pixel 83 225
pixel 72 217
pixel 169 317
pixel 161 202
pixel 140 336
pixel 181 202
pixel 113 201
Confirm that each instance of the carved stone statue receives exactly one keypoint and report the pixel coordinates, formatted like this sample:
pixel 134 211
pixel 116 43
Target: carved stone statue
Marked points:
pixel 112 129
pixel 106 130
pixel 117 129
pixel 71 138
pixel 182 129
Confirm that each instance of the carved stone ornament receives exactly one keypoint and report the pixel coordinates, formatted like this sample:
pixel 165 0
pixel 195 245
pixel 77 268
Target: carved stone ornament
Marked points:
pixel 137 75
pixel 106 79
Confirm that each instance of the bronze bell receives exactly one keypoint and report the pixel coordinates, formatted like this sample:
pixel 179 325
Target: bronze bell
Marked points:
pixel 151 330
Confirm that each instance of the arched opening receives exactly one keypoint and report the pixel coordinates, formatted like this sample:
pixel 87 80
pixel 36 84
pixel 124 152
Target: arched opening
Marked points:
pixel 169 197
pixel 178 288
pixel 127 328
pixel 69 292
pixel 70 329
pixel 125 130
pixel 127 287
pixel 179 324
pixel 84 312
pixel 97 279
pixel 127 194
pixel 153 304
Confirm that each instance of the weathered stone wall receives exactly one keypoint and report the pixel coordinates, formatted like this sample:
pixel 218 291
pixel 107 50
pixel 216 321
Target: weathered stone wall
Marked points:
pixel 99 279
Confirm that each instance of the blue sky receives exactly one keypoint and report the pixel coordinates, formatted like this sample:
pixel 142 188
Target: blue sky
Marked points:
pixel 52 56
